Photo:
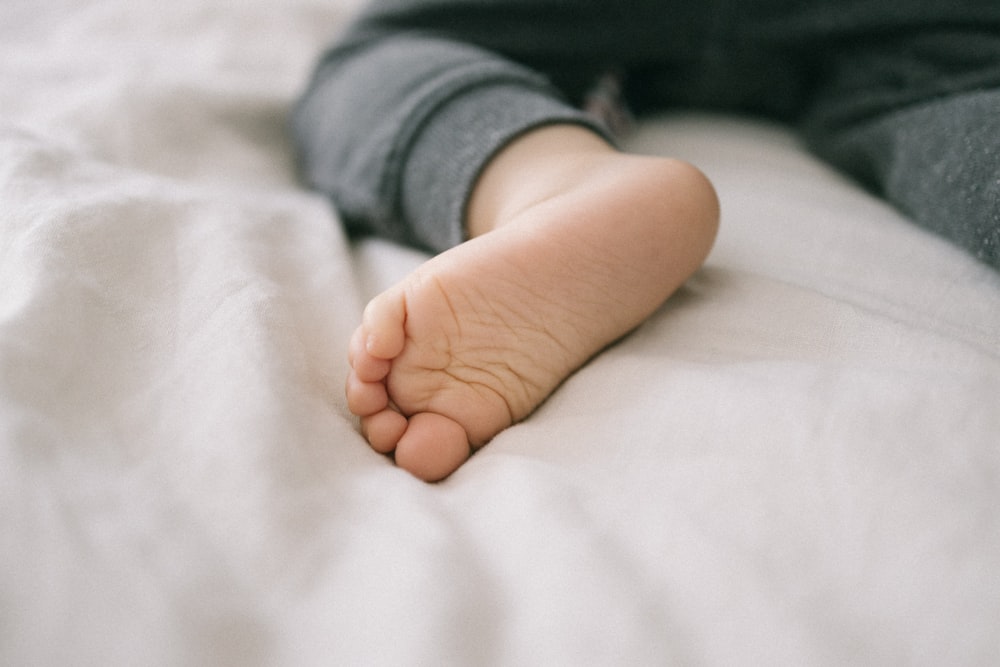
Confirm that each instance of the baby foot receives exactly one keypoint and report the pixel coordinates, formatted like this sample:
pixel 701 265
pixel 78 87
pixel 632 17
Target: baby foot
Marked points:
pixel 476 338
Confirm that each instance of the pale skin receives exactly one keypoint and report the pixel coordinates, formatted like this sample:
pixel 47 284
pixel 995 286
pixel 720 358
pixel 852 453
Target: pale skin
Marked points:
pixel 572 244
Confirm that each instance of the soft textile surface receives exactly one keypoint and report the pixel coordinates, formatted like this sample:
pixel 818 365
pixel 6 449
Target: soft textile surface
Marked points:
pixel 796 461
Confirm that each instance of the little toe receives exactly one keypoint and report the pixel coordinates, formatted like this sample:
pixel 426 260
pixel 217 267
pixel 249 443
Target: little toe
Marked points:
pixel 432 447
pixel 367 367
pixel 357 344
pixel 365 398
pixel 383 430
pixel 383 322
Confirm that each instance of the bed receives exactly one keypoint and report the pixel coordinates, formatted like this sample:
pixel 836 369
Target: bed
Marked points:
pixel 796 461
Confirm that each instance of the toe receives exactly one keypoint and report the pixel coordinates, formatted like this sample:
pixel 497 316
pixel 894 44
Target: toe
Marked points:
pixel 365 398
pixel 432 447
pixel 383 322
pixel 367 367
pixel 356 345
pixel 383 430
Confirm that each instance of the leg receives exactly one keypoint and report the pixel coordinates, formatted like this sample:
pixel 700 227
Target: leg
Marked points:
pixel 574 244
pixel 457 79
pixel 919 122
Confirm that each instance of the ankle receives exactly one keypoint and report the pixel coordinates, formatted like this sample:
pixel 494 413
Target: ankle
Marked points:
pixel 541 164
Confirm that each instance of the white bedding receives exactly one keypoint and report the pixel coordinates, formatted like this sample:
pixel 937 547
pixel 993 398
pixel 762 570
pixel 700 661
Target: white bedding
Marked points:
pixel 796 461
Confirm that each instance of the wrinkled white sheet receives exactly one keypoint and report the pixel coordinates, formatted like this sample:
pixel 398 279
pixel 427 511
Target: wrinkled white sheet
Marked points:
pixel 796 461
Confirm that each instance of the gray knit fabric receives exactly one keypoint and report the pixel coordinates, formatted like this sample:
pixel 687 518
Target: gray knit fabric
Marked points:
pixel 406 107
pixel 457 141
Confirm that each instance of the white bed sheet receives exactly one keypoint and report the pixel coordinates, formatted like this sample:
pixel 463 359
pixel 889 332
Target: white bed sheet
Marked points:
pixel 795 461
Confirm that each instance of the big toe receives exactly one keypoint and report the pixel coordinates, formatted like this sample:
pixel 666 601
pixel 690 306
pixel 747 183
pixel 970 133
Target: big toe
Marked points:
pixel 432 447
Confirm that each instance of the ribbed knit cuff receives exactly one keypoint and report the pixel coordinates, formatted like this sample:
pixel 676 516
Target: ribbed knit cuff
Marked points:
pixel 451 150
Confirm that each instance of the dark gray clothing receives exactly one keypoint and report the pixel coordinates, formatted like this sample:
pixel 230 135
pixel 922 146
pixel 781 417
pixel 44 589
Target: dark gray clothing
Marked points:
pixel 405 109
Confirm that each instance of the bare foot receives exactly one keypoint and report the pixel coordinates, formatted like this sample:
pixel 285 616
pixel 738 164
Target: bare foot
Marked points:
pixel 569 254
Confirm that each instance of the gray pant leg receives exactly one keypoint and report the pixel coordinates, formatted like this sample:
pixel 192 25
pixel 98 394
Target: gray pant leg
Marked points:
pixel 919 123
pixel 404 111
